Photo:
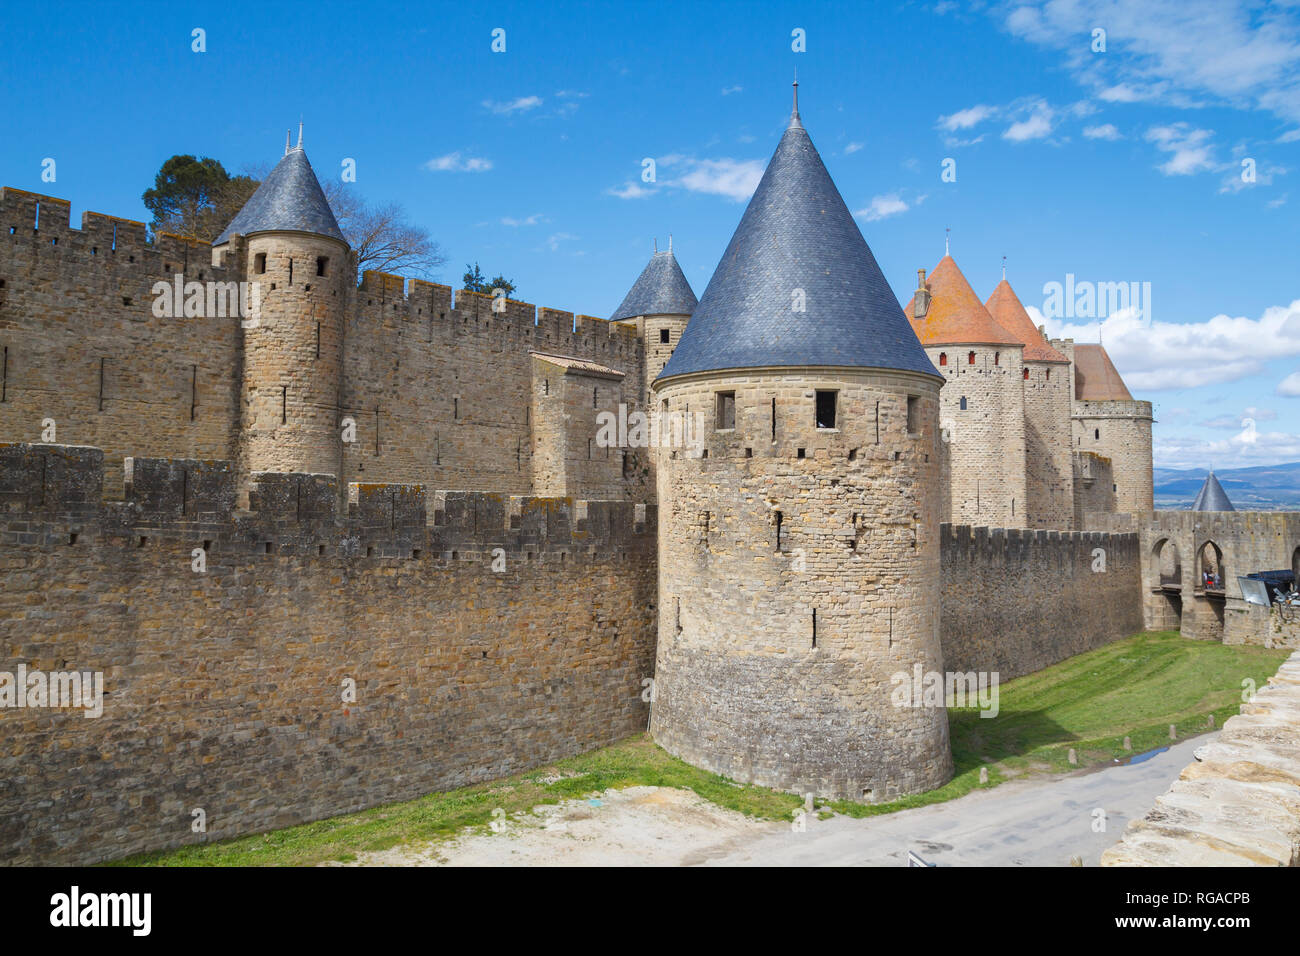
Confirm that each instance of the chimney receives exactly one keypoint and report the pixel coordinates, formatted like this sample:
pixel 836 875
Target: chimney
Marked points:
pixel 922 304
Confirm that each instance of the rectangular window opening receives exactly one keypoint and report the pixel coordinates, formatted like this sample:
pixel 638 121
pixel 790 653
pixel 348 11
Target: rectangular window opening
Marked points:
pixel 913 415
pixel 826 409
pixel 726 410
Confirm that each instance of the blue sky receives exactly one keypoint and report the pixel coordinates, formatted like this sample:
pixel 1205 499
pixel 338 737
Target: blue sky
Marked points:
pixel 1115 165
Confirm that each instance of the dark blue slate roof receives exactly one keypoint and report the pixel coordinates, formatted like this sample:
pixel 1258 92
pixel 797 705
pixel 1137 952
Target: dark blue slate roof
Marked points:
pixel 661 290
pixel 797 233
pixel 1212 497
pixel 288 200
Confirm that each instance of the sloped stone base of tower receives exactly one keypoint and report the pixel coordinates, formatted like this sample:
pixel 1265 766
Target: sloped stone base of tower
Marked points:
pixel 836 734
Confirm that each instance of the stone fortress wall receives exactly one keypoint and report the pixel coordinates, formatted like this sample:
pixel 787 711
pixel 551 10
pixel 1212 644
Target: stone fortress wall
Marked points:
pixel 1003 589
pixel 443 391
pixel 1179 547
pixel 223 688
pixel 220 439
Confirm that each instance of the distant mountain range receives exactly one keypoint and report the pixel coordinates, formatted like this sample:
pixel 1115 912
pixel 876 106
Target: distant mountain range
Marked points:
pixel 1262 488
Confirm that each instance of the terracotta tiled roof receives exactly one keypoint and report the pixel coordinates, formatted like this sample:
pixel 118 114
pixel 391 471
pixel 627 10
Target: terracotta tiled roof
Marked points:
pixel 578 365
pixel 956 315
pixel 1095 377
pixel 1007 311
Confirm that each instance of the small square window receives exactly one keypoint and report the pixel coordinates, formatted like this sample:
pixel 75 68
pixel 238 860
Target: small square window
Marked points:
pixel 826 409
pixel 726 410
pixel 259 263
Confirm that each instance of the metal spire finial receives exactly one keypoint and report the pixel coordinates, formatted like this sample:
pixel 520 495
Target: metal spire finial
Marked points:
pixel 945 239
pixel 1004 267
pixel 300 134
pixel 670 242
pixel 287 134
pixel 656 243
pixel 794 113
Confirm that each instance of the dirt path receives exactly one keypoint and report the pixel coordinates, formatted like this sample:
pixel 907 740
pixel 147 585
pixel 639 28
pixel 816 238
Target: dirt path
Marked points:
pixel 1040 821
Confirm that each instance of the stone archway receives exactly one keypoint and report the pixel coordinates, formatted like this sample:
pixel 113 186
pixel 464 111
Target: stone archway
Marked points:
pixel 1209 592
pixel 1164 602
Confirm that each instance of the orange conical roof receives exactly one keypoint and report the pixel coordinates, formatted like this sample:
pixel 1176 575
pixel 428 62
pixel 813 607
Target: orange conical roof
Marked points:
pixel 956 315
pixel 1007 311
pixel 1095 377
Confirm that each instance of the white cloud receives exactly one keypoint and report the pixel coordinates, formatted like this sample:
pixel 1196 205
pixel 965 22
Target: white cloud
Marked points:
pixel 734 178
pixel 1233 181
pixel 1279 201
pixel 1191 148
pixel 967 118
pixel 1105 131
pixel 852 148
pixel 728 90
pixel 554 240
pixel 1153 356
pixel 1237 451
pixel 1290 386
pixel 1290 136
pixel 630 190
pixel 1178 52
pixel 889 204
pixel 1234 422
pixel 530 221
pixel 455 163
pixel 883 207
pixel 1035 126
pixel 521 104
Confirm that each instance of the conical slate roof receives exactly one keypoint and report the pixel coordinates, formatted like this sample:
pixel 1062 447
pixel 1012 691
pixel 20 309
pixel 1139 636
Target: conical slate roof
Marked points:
pixel 1212 497
pixel 1007 311
pixel 288 200
pixel 955 316
pixel 662 289
pixel 797 246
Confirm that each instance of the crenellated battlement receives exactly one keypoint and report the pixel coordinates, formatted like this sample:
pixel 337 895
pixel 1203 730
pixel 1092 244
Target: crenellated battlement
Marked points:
pixel 386 302
pixel 49 492
pixel 1020 545
pixel 32 224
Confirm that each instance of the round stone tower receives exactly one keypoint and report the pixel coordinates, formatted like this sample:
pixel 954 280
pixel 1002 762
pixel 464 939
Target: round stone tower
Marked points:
pixel 1109 422
pixel 1049 474
pixel 983 408
pixel 300 274
pixel 658 305
pixel 799 518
